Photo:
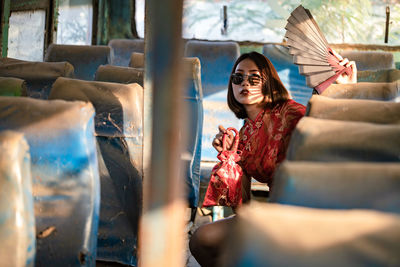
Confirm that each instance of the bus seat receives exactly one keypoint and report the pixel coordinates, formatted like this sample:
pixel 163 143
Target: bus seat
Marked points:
pixel 331 140
pixel 288 72
pixel 117 74
pixel 217 59
pixel 121 50
pixel 119 136
pixel 374 111
pixel 338 185
pixel 193 104
pixel 380 76
pixel 85 58
pixel 277 235
pixel 191 155
pixel 364 90
pixel 136 60
pixel 64 173
pixel 39 76
pixel 370 60
pixel 10 86
pixel 17 225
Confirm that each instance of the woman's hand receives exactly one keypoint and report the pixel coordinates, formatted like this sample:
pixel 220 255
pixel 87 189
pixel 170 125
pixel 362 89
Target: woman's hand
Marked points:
pixel 344 78
pixel 217 142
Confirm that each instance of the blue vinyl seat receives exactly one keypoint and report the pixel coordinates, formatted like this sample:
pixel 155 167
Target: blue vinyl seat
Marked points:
pixel 85 58
pixel 121 50
pixel 193 104
pixel 65 176
pixel 217 60
pixel 119 136
pixel 17 224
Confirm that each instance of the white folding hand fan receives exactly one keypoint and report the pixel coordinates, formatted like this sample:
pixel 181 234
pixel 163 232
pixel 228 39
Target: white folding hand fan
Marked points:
pixel 311 51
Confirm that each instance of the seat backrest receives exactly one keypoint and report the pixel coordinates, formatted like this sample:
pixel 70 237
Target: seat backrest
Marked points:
pixel 364 90
pixel 121 50
pixel 350 185
pixel 370 60
pixel 39 76
pixel 301 236
pixel 10 86
pixel 119 136
pixel 65 177
pixel 117 74
pixel 85 58
pixel 338 141
pixel 378 76
pixel 17 227
pixel 288 72
pixel 137 60
pixel 217 59
pixel 193 104
pixel 383 112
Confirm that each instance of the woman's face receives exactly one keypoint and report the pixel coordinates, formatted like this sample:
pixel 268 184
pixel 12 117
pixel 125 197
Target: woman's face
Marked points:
pixel 247 83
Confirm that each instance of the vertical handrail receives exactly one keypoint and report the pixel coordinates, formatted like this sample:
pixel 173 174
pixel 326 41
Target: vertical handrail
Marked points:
pixel 161 236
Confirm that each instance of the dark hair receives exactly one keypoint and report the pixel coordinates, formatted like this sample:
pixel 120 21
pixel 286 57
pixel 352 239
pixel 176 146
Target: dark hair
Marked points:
pixel 272 88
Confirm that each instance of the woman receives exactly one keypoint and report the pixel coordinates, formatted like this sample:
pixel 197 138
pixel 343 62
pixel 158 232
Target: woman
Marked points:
pixel 256 94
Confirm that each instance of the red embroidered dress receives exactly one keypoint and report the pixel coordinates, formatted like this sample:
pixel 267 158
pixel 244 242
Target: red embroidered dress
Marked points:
pixel 264 141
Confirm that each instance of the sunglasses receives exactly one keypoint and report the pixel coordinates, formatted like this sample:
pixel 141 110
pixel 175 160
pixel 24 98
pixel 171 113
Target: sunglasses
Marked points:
pixel 238 78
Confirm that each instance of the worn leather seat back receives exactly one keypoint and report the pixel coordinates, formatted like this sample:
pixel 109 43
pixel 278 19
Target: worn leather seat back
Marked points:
pixel 39 76
pixel 17 227
pixel 121 50
pixel 119 135
pixel 85 58
pixel 65 176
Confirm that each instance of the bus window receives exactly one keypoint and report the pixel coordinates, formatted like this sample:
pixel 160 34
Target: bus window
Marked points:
pixel 26 35
pixel 75 22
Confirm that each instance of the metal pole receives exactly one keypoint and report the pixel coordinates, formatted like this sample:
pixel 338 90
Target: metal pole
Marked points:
pixel 161 239
pixel 387 24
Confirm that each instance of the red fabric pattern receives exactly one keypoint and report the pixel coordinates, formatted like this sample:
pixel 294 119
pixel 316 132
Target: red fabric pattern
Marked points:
pixel 264 141
pixel 225 187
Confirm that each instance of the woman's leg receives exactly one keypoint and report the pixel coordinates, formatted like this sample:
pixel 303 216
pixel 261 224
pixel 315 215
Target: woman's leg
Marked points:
pixel 207 242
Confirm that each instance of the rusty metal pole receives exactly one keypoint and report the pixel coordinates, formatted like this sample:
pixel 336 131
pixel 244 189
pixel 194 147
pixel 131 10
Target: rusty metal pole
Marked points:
pixel 161 239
